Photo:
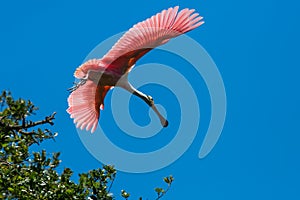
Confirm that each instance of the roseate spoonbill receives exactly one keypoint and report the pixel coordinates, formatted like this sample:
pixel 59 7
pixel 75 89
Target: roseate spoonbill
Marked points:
pixel 97 76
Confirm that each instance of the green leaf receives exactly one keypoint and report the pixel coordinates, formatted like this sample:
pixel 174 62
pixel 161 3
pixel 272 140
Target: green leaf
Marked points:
pixel 158 190
pixel 125 194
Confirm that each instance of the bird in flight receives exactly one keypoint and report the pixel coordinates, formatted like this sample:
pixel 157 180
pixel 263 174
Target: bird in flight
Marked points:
pixel 98 76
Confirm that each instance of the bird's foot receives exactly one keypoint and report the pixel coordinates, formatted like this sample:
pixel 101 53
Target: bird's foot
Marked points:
pixel 165 123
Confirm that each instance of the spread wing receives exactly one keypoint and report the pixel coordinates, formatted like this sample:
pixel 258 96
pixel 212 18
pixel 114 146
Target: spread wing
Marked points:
pixel 148 34
pixel 86 101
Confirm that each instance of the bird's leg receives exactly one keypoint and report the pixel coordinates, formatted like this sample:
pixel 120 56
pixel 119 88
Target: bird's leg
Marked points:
pixel 149 100
pixel 123 83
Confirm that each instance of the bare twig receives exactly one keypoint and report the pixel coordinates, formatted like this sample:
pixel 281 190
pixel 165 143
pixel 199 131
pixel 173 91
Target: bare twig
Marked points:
pixel 4 162
pixel 112 181
pixel 164 192
pixel 47 120
pixel 26 133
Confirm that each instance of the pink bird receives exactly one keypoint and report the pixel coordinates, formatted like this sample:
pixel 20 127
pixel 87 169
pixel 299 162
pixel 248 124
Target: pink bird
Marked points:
pixel 98 76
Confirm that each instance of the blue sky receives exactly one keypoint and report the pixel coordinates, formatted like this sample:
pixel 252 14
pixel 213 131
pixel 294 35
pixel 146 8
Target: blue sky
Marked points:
pixel 255 45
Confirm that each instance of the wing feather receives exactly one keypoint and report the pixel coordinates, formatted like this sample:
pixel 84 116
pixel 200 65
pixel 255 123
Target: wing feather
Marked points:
pixel 148 34
pixel 143 37
pixel 85 104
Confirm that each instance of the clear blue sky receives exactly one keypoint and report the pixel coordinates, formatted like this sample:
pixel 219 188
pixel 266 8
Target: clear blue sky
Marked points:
pixel 255 45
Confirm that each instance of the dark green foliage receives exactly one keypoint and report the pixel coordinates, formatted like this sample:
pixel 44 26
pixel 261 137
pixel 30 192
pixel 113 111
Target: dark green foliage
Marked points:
pixel 26 175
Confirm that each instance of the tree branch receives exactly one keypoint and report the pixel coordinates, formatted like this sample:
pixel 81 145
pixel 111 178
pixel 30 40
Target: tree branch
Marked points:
pixel 4 162
pixel 47 120
pixel 111 183
pixel 163 193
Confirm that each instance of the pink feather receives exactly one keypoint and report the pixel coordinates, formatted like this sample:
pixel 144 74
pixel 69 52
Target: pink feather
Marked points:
pixel 87 100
